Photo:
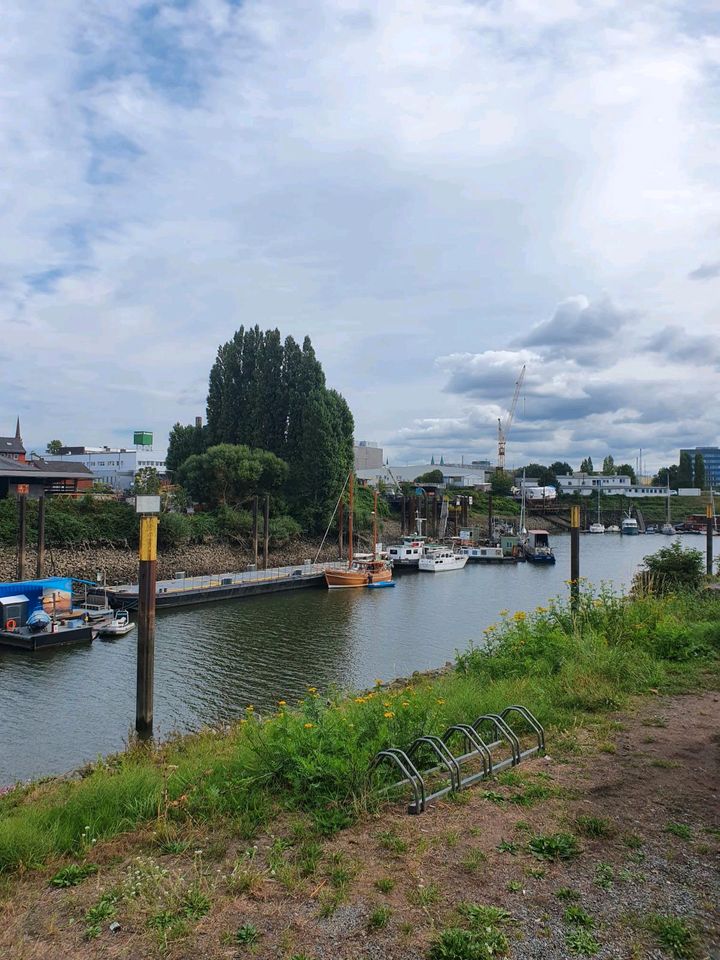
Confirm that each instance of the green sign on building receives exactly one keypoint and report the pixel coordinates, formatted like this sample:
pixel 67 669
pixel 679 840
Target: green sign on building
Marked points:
pixel 143 438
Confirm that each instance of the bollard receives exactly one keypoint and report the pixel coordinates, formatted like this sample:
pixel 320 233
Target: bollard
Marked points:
pixel 40 563
pixel 574 556
pixel 22 533
pixel 709 540
pixel 146 624
pixel 266 532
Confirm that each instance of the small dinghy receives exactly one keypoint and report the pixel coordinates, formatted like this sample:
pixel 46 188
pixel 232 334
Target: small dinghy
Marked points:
pixel 118 626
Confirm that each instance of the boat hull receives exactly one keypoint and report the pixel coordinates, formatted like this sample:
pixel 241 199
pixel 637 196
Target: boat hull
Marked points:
pixel 427 566
pixel 355 579
pixel 26 640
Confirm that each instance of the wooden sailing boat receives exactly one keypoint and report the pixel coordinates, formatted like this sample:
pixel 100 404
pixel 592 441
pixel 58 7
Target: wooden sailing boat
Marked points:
pixel 363 570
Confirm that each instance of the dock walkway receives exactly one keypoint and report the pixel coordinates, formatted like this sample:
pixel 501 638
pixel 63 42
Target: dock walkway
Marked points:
pixel 182 590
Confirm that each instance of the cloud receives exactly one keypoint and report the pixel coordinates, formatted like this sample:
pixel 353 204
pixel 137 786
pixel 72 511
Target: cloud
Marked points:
pixel 706 271
pixel 401 181
pixel 674 343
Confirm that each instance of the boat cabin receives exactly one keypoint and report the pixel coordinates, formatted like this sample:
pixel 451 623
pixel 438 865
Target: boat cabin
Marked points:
pixel 14 610
pixel 538 538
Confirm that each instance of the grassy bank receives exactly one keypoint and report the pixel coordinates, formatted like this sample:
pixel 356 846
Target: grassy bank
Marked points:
pixel 314 757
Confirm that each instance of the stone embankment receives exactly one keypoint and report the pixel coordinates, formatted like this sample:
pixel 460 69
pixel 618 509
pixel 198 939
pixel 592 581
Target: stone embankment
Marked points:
pixel 121 565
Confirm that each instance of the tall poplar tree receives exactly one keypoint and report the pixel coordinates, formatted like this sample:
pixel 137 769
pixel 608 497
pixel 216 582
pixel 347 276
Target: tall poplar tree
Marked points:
pixel 699 471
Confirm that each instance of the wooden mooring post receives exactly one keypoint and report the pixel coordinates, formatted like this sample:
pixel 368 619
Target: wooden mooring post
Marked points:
pixel 709 540
pixel 574 556
pixel 146 619
pixel 40 563
pixel 341 529
pixel 266 531
pixel 255 530
pixel 22 532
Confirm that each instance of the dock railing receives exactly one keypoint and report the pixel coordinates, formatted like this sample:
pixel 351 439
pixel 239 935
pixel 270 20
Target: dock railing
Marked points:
pixel 218 580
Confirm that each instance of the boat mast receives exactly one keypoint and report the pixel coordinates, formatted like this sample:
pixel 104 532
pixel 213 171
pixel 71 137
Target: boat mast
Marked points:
pixel 375 502
pixel 351 504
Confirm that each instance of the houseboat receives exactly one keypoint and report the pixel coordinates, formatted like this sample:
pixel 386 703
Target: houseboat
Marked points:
pixel 440 560
pixel 537 547
pixel 407 553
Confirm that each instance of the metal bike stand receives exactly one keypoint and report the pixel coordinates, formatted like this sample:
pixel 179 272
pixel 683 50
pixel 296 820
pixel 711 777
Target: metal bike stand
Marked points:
pixel 409 772
pixel 534 725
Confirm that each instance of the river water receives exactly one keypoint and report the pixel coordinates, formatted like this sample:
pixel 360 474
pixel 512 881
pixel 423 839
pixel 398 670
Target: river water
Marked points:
pixel 61 708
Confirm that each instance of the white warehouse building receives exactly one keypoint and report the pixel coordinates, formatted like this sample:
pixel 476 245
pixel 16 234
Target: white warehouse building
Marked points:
pixel 454 475
pixel 115 466
pixel 587 484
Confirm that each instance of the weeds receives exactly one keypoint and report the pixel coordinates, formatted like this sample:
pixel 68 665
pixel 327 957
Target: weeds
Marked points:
pixel 385 884
pixel 247 934
pixel 479 916
pixel 604 876
pixel 681 830
pixel 567 893
pixel 73 874
pixel 508 846
pixel 473 861
pixel 389 840
pixel 580 941
pixel 424 896
pixel 458 944
pixel 594 827
pixel 578 917
pixel 379 918
pixel 675 936
pixel 554 846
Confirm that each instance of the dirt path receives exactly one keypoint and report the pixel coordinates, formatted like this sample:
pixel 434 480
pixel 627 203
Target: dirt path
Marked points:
pixel 639 791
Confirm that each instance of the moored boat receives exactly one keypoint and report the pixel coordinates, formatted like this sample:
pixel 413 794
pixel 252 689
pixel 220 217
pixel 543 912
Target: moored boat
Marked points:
pixel 119 626
pixel 363 570
pixel 537 547
pixel 596 528
pixel 441 560
pixel 407 552
pixel 630 527
pixel 613 528
pixel 483 554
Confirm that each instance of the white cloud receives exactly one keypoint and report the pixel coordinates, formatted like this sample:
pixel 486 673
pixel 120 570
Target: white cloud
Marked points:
pixel 402 181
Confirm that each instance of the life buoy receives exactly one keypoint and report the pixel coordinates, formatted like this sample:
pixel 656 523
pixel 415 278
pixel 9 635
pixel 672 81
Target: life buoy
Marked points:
pixel 10 624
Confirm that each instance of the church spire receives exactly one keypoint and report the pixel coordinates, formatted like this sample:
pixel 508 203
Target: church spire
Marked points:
pixel 17 429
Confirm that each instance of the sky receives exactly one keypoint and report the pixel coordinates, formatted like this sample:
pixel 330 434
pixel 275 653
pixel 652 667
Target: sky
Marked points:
pixel 438 192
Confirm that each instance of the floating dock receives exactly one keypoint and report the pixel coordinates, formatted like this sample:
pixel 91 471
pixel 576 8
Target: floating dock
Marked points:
pixel 182 591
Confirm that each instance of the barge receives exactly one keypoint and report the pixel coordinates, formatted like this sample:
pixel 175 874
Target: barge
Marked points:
pixel 182 591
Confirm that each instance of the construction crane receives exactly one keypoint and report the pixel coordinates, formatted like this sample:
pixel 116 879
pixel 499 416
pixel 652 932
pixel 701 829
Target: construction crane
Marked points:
pixel 504 428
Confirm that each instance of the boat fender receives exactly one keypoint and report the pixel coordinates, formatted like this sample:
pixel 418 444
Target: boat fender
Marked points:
pixel 10 624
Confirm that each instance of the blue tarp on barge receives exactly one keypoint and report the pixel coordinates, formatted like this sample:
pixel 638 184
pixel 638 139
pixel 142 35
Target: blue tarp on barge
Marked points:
pixel 34 590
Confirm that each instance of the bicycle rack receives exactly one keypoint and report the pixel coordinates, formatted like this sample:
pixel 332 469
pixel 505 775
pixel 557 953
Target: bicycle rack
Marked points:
pixel 489 732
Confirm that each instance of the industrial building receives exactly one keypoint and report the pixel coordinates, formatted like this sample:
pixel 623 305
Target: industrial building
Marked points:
pixel 711 458
pixel 116 466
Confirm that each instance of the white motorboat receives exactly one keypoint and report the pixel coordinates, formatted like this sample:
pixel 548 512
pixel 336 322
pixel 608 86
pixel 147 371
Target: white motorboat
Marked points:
pixel 613 528
pixel 668 529
pixel 630 527
pixel 438 561
pixel 407 553
pixel 596 528
pixel 118 626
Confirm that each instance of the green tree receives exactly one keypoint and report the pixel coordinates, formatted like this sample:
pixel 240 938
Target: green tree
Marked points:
pixel 54 447
pixel 227 474
pixel 432 476
pixel 183 443
pixel 625 470
pixel 146 482
pixel 587 465
pixel 699 471
pixel 268 394
pixel 685 477
pixel 544 475
pixel 560 468
pixel 608 467
pixel 501 483
pixel 667 477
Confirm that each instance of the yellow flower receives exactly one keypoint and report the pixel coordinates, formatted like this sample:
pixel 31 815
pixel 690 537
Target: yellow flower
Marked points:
pixel 243 720
pixel 282 703
pixel 387 704
pixel 388 714
pixel 249 709
pixel 312 689
pixel 378 682
pixel 359 699
pixel 504 613
pixel 440 701
pixel 309 726
pixel 519 616
pixel 405 703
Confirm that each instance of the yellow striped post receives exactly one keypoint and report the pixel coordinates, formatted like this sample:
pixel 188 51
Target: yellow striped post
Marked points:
pixel 709 539
pixel 574 556
pixel 146 626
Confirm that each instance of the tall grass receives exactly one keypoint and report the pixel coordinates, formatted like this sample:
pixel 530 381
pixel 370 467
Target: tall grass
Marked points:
pixel 563 664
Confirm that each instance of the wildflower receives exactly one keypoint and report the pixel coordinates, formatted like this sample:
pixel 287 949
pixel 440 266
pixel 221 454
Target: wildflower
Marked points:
pixel 282 703
pixel 312 689
pixel 405 703
pixel 440 701
pixel 243 720
pixel 388 714
pixel 378 682
pixel 504 613
pixel 519 616
pixel 249 709
pixel 359 699
pixel 387 703
pixel 309 726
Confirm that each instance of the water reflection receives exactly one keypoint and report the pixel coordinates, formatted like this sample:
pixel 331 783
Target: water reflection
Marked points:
pixel 60 708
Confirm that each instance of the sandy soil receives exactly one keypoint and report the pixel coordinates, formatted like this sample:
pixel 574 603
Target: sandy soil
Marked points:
pixel 649 778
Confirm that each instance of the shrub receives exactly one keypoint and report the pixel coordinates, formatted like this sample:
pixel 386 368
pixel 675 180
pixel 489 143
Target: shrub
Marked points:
pixel 674 568
pixel 174 530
